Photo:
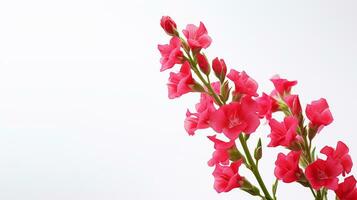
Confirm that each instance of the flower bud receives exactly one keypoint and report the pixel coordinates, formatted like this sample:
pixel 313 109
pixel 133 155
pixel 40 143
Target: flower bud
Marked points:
pixel 168 25
pixel 219 68
pixel 203 63
pixel 258 152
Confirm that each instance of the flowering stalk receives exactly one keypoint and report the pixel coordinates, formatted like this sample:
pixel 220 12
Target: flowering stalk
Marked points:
pixel 235 112
pixel 252 166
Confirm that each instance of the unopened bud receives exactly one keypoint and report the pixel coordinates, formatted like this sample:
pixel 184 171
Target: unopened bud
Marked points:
pixel 219 68
pixel 203 63
pixel 168 25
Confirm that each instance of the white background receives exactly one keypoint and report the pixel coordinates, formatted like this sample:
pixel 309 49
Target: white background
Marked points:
pixel 84 112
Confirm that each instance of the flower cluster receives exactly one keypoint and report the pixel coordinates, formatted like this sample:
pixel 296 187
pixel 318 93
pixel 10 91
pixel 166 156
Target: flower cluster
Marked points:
pixel 233 108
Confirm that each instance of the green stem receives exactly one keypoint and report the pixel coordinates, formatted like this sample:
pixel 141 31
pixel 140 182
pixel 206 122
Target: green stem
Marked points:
pixel 312 190
pixel 207 84
pixel 253 167
pixel 307 149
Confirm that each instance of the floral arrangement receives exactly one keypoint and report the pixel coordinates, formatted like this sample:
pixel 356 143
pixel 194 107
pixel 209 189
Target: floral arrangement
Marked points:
pixel 232 106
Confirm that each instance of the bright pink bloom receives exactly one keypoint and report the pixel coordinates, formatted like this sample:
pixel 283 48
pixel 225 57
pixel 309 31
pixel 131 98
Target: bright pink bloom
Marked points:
pixel 168 25
pixel 266 106
pixel 283 133
pixel 340 155
pixel 203 63
pixel 319 113
pixel 323 173
pixel 219 68
pixel 199 120
pixel 294 104
pixel 216 87
pixel 180 83
pixel 197 37
pixel 219 157
pixel 221 145
pixel 191 123
pixel 243 83
pixel 171 54
pixel 227 178
pixel 234 118
pixel 347 189
pixel 282 86
pixel 287 167
pixel 221 154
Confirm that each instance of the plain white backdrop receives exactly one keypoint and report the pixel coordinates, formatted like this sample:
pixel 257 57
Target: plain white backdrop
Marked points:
pixel 84 113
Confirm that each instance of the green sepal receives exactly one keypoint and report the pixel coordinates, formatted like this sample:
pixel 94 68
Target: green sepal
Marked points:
pixel 249 188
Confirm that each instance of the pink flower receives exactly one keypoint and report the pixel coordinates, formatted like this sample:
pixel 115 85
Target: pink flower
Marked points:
pixel 227 178
pixel 199 120
pixel 219 68
pixel 266 106
pixel 203 63
pixel 180 83
pixel 191 123
pixel 294 104
pixel 221 154
pixel 236 117
pixel 287 167
pixel 221 145
pixel 347 189
pixel 216 87
pixel 243 83
pixel 219 157
pixel 171 54
pixel 340 155
pixel 168 25
pixel 319 113
pixel 323 173
pixel 197 37
pixel 283 133
pixel 282 86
